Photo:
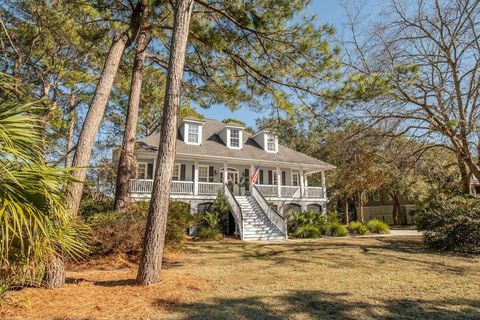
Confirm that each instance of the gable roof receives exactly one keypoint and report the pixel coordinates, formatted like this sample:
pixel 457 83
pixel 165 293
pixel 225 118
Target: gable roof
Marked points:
pixel 212 146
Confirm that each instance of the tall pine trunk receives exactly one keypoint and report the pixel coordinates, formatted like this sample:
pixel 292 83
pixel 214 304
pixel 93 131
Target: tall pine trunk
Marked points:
pixel 151 260
pixel 93 120
pixel 126 163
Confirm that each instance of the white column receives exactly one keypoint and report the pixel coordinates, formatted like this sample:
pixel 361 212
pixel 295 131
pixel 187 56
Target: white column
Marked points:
pixel 225 173
pixel 279 182
pixel 324 186
pixel 302 184
pixel 195 179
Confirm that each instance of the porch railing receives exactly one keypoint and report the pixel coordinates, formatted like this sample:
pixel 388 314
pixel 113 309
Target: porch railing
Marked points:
pixel 272 214
pixel 314 192
pixel 236 210
pixel 209 187
pixel 267 190
pixel 145 186
pixel 182 187
pixel 141 186
pixel 290 191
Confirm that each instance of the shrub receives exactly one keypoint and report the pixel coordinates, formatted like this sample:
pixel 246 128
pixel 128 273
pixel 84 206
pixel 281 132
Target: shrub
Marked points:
pixel 335 229
pixel 307 231
pixel 210 230
pixel 306 224
pixel 221 207
pixel 117 232
pixel 91 205
pixel 357 228
pixel 451 223
pixel 377 226
pixel 208 233
pixel 333 217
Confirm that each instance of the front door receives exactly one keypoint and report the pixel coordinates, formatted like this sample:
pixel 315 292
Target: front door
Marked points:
pixel 232 176
pixel 232 179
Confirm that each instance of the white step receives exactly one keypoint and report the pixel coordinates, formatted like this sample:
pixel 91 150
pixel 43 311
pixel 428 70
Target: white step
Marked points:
pixel 256 224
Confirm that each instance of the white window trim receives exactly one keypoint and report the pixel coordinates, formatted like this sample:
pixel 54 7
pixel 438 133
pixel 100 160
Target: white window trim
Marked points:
pixel 266 142
pixel 187 127
pixel 240 138
pixel 199 177
pixel 146 170
pixel 298 178
pixel 176 165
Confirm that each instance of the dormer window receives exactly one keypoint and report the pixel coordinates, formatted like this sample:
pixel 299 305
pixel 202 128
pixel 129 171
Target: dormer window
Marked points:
pixel 232 135
pixel 193 135
pixel 271 142
pixel 191 130
pixel 234 138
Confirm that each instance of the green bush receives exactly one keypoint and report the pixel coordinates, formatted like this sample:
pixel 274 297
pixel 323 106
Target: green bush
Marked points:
pixel 451 223
pixel 333 217
pixel 210 230
pixel 92 205
pixel 377 226
pixel 335 229
pixel 306 224
pixel 357 228
pixel 208 233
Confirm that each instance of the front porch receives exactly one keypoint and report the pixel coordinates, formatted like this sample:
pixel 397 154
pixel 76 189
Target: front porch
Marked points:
pixel 141 188
pixel 203 180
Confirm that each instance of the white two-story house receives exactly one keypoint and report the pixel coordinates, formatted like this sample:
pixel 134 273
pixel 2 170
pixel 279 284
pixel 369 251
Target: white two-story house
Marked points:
pixel 213 156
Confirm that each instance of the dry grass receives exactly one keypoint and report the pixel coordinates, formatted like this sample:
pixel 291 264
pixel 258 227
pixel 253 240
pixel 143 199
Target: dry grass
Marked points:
pixel 360 278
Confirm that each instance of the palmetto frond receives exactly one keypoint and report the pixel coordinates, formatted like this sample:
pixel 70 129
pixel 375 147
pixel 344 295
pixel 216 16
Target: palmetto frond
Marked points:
pixel 34 223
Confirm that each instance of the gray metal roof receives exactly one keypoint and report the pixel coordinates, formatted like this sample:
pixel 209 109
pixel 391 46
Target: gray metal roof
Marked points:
pixel 213 146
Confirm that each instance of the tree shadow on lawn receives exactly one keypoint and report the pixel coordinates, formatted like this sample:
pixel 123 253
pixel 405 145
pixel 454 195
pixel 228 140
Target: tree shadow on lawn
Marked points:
pixel 294 252
pixel 321 305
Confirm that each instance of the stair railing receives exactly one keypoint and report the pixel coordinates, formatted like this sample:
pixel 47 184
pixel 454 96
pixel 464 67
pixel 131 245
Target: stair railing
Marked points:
pixel 279 221
pixel 235 207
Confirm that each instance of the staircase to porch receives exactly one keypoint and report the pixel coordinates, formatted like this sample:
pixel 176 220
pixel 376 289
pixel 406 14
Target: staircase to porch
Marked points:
pixel 256 224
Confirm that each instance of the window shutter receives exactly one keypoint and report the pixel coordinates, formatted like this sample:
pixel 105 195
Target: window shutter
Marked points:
pixel 284 178
pixel 193 172
pixel 261 176
pixel 247 174
pixel 183 169
pixel 210 173
pixel 150 171
pixel 270 177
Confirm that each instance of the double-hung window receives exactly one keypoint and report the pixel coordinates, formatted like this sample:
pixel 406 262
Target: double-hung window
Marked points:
pixel 203 173
pixel 295 180
pixel 141 170
pixel 176 172
pixel 271 145
pixel 193 133
pixel 234 138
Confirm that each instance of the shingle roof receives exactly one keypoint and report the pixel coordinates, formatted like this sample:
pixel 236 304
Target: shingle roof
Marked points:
pixel 213 146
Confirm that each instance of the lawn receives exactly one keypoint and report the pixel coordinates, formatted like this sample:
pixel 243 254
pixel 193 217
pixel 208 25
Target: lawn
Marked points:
pixel 349 278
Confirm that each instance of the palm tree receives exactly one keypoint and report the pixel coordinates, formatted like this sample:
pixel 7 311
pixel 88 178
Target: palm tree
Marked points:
pixel 35 227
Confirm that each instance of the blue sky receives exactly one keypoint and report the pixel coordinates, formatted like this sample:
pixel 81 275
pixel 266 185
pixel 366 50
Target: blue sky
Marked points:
pixel 328 11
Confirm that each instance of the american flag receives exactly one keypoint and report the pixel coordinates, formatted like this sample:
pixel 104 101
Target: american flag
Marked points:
pixel 254 175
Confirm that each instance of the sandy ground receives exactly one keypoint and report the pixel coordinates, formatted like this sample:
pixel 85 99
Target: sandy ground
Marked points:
pixel 348 278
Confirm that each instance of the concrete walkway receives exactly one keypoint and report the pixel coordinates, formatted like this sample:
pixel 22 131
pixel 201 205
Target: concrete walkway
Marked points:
pixel 397 232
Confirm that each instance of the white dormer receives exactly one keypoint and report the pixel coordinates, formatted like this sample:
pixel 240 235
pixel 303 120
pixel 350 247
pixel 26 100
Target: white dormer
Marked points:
pixel 191 130
pixel 232 135
pixel 267 140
